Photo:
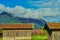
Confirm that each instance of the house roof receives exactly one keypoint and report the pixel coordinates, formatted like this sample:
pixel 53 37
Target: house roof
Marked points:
pixel 16 26
pixel 54 25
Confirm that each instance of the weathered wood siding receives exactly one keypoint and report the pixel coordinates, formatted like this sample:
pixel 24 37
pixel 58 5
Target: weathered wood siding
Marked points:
pixel 54 36
pixel 17 34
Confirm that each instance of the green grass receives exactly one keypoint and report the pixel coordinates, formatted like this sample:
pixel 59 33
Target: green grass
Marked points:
pixel 41 37
pixel 0 30
pixel 1 39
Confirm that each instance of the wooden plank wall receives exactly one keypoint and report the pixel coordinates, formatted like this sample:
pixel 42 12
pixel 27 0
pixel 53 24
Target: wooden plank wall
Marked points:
pixel 16 34
pixel 54 36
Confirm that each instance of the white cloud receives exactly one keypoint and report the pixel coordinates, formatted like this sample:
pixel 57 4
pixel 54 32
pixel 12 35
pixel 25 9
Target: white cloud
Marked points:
pixel 30 13
pixel 46 3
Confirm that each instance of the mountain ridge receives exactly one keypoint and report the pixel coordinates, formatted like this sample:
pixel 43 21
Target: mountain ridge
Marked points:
pixel 6 17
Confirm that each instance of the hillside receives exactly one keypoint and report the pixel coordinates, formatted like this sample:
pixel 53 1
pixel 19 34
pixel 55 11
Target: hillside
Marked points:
pixel 6 17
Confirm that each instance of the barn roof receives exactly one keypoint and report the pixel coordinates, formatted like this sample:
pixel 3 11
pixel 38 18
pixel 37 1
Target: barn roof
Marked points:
pixel 53 25
pixel 16 26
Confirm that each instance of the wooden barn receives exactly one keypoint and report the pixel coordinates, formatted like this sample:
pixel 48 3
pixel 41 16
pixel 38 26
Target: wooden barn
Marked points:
pixel 17 31
pixel 53 31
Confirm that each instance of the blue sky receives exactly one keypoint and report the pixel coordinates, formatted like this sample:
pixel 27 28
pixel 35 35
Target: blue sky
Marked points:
pixel 13 3
pixel 31 3
pixel 32 8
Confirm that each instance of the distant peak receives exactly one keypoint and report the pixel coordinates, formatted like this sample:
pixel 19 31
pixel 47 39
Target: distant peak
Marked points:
pixel 6 13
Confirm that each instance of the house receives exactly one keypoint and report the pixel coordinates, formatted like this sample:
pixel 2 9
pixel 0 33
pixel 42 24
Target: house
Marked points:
pixel 53 30
pixel 17 31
